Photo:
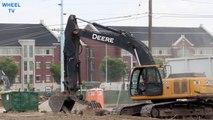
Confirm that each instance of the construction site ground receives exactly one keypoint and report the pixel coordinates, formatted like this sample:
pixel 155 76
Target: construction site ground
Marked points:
pixel 45 113
pixel 61 116
pixel 80 112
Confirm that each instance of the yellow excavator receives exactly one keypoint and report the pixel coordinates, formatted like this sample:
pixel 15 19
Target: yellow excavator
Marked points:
pixel 183 94
pixel 180 95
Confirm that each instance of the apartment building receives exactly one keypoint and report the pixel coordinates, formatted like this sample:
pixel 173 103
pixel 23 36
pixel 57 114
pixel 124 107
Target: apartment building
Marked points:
pixel 34 48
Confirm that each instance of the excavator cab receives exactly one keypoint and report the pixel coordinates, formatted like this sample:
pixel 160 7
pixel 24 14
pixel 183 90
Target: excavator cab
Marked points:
pixel 146 81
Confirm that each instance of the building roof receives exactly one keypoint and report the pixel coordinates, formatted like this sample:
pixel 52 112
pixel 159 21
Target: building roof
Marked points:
pixel 11 33
pixel 166 36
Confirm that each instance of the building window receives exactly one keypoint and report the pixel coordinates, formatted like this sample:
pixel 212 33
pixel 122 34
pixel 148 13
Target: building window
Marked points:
pixel 25 51
pixel 47 52
pixel 38 51
pixel 92 76
pixel 17 79
pixel 160 52
pixel 183 52
pixel 168 51
pixel 208 51
pixel 31 79
pixel 25 65
pixel 31 66
pixel 92 65
pixel 10 51
pixel 16 51
pixel 25 79
pixel 38 78
pixel 48 89
pixel 38 65
pixel 201 52
pixel 31 51
pixel 5 51
pixel 91 53
pixel 204 51
pixel 179 53
pixel 48 78
pixel 48 65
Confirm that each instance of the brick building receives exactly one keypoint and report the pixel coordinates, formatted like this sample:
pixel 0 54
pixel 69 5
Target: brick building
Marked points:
pixel 34 48
pixel 172 42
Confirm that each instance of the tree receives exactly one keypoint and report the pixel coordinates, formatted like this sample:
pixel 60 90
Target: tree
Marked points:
pixel 10 68
pixel 159 60
pixel 115 68
pixel 55 70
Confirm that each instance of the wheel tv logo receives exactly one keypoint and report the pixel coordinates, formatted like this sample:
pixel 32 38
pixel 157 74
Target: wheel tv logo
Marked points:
pixel 10 6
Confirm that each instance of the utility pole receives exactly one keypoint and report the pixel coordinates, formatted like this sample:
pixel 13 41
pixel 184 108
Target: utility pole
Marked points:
pixel 150 26
pixel 106 69
pixel 62 47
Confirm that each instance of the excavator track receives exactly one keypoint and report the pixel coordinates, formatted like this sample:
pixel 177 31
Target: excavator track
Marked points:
pixel 179 109
pixel 133 110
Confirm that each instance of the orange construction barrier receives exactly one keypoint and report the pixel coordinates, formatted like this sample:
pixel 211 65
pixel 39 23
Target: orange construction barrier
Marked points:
pixel 95 95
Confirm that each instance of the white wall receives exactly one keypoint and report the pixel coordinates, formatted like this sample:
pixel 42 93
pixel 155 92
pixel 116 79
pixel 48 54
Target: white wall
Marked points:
pixel 194 64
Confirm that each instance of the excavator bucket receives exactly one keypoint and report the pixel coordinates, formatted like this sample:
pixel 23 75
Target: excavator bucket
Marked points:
pixel 66 103
pixel 61 104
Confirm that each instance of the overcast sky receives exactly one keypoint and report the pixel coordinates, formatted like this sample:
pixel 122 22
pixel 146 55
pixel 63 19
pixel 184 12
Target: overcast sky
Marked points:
pixel 168 13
